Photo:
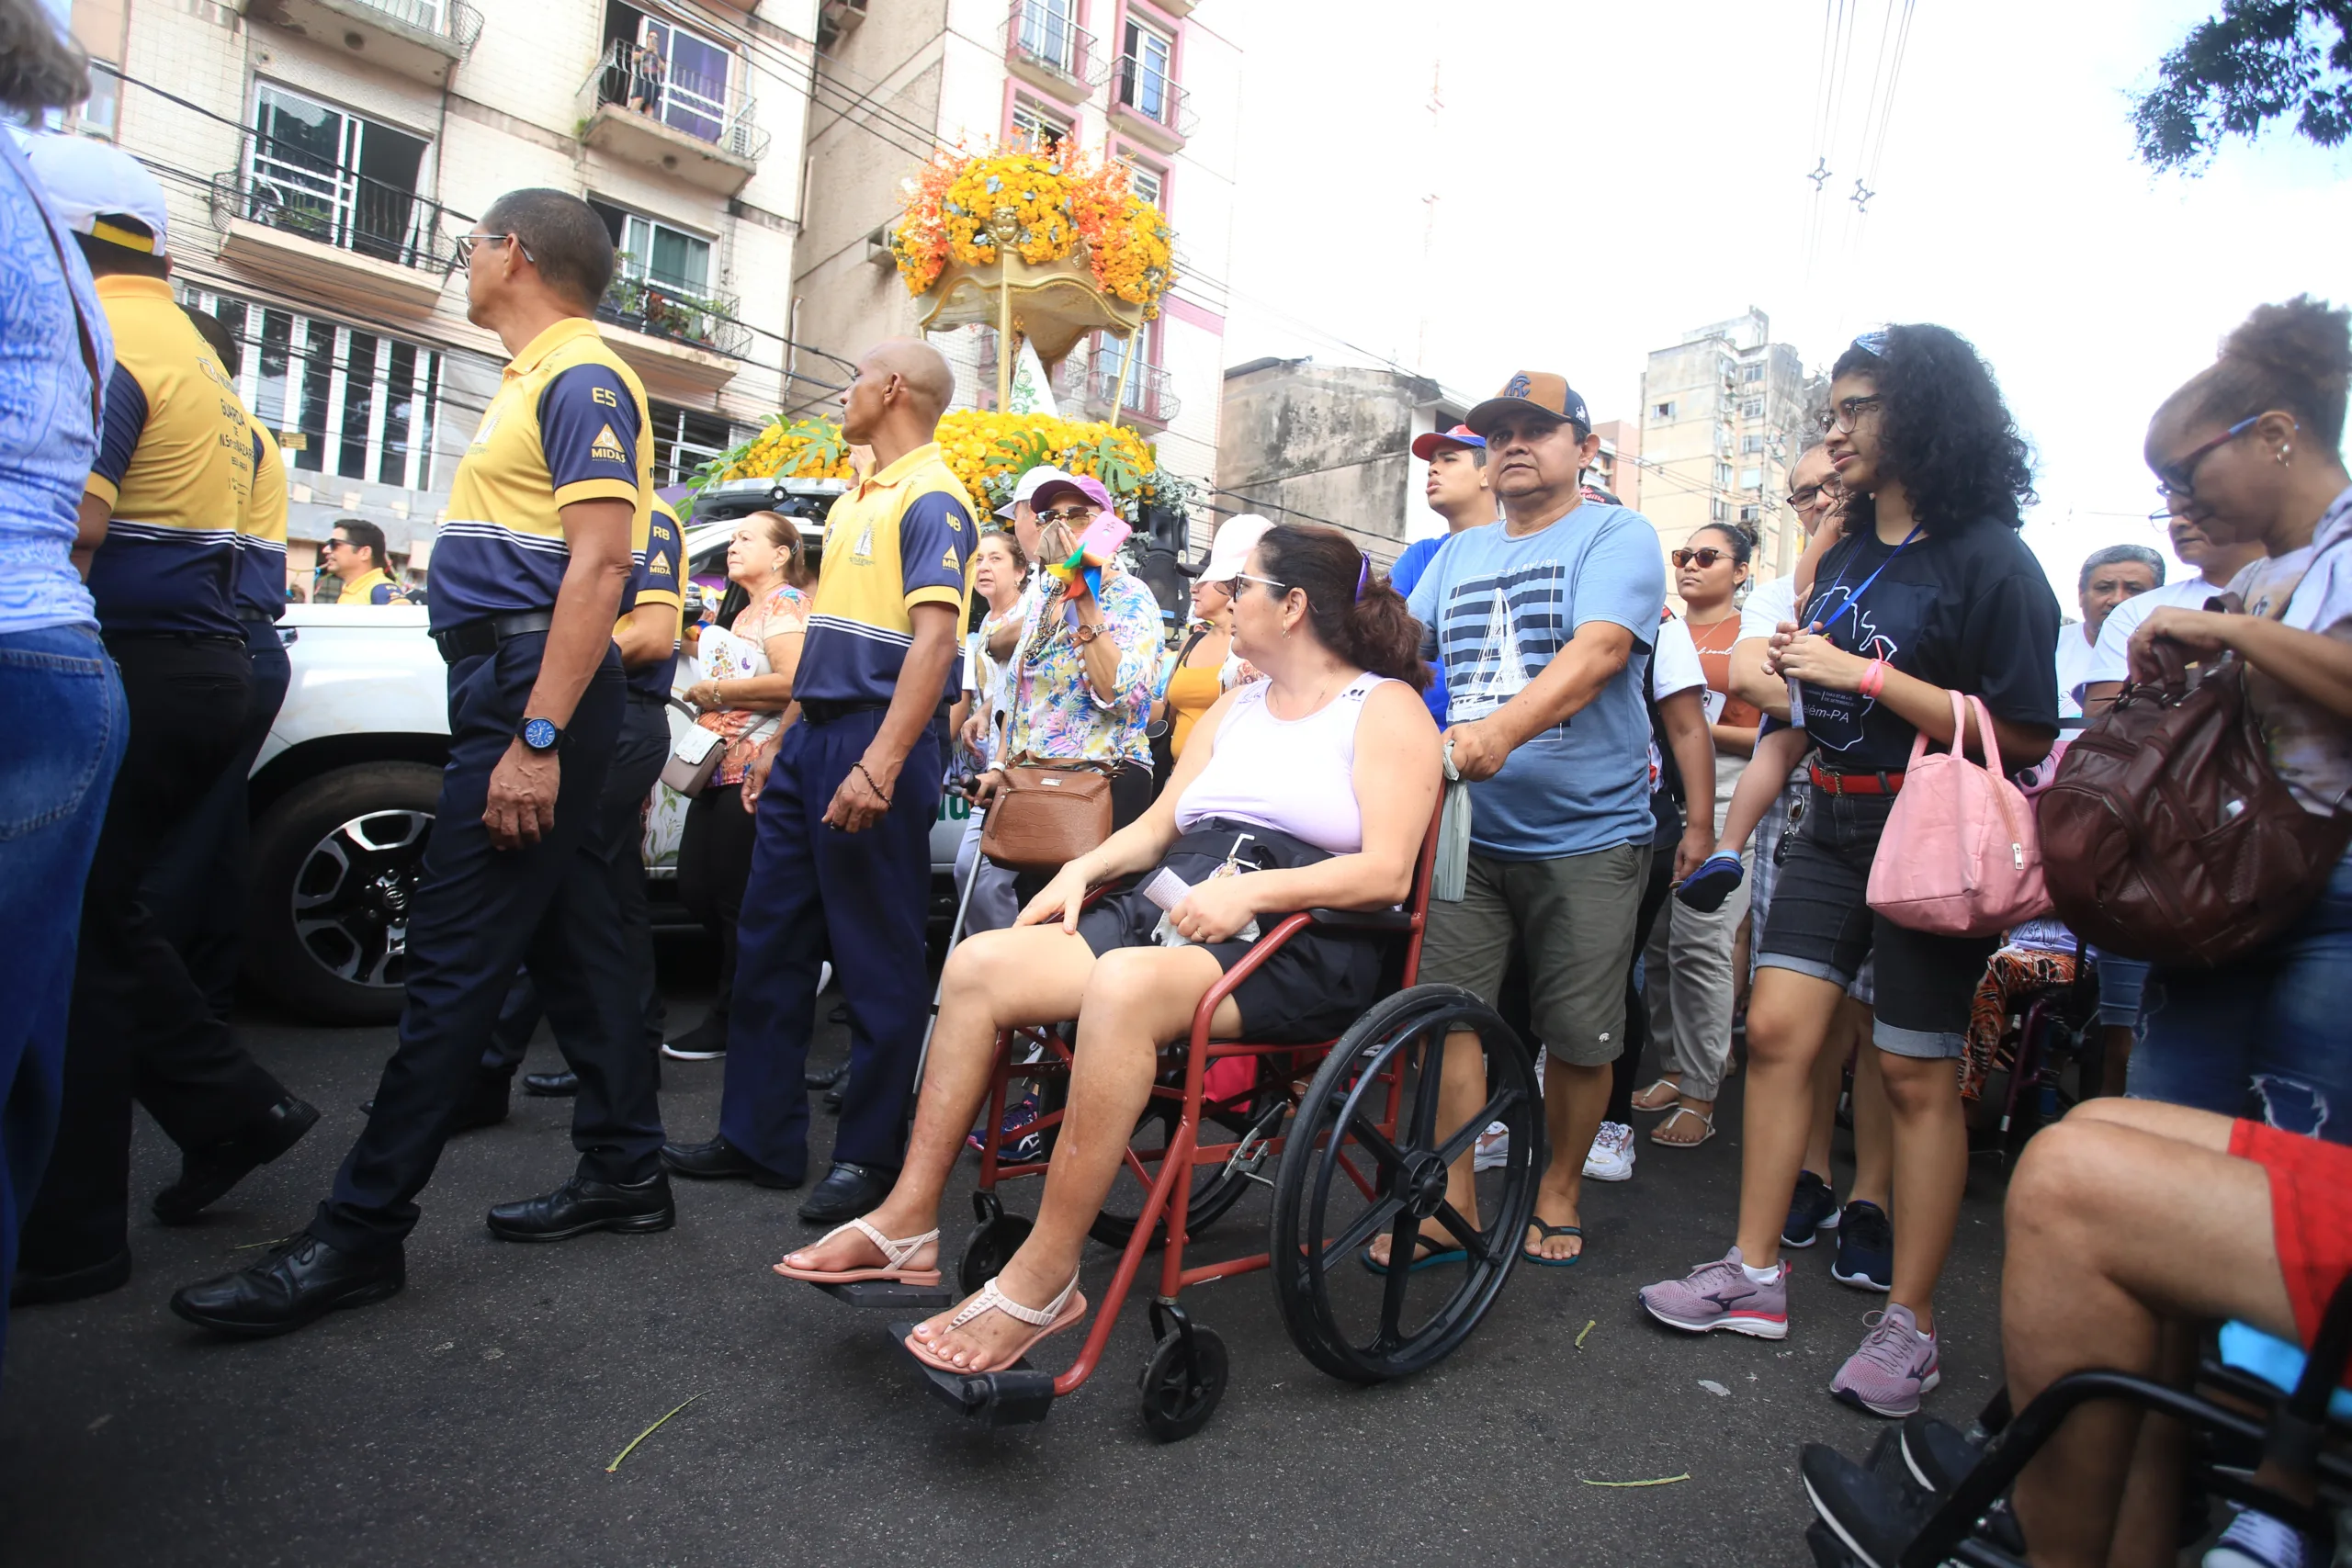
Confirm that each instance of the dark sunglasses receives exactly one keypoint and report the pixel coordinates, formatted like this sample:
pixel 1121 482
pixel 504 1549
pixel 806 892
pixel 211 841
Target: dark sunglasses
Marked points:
pixel 1070 514
pixel 2178 481
pixel 1706 556
pixel 1232 585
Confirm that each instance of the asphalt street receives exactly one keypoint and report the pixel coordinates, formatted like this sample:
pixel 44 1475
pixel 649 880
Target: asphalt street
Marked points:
pixel 473 1419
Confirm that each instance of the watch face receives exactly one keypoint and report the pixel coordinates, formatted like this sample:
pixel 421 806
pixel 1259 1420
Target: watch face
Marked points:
pixel 538 733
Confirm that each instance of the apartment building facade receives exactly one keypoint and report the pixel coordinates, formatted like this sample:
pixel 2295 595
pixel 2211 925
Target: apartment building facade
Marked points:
pixel 322 157
pixel 1723 419
pixel 1145 82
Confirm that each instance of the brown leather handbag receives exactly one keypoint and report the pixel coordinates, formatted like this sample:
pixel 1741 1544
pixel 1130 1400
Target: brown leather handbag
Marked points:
pixel 1046 815
pixel 2166 835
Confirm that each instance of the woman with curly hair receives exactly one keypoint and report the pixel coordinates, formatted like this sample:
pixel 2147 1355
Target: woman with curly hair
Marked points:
pixel 1930 592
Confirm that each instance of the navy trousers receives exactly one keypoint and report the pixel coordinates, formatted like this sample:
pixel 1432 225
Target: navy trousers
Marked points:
pixel 868 892
pixel 480 911
pixel 198 889
pixel 620 844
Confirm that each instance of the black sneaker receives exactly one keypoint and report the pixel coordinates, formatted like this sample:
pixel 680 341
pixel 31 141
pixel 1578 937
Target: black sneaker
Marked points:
pixel 1865 1248
pixel 1812 1210
pixel 1937 1456
pixel 706 1041
pixel 1867 1513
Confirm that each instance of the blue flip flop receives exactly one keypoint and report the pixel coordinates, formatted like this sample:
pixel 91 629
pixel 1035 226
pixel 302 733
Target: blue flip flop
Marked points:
pixel 1706 888
pixel 1549 1232
pixel 1426 1259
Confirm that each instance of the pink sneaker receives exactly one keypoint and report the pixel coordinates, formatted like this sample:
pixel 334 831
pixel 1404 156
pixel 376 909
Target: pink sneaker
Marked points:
pixel 1891 1370
pixel 1720 1295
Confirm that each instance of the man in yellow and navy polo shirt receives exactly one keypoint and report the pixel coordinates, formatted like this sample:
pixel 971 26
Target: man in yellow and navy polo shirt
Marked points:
pixel 845 811
pixel 355 558
pixel 546 509
pixel 647 637
pixel 158 529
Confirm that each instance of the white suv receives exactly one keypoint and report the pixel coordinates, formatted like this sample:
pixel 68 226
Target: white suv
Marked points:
pixel 345 787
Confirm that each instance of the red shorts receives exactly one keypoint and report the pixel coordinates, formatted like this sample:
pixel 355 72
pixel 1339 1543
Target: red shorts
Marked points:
pixel 2311 1215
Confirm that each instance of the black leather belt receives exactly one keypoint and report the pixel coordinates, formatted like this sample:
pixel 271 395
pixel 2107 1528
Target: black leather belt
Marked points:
pixel 261 617
pixel 475 638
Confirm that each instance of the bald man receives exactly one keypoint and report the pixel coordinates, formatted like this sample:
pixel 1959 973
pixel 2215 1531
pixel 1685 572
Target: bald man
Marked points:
pixel 846 800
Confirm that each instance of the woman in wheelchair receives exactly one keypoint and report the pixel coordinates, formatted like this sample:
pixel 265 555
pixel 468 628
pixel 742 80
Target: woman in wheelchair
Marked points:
pixel 1311 788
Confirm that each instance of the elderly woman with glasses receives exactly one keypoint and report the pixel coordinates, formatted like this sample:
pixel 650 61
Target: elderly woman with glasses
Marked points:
pixel 1083 662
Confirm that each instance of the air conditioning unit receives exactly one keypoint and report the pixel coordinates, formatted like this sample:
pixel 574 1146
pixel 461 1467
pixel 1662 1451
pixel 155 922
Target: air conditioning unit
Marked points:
pixel 877 249
pixel 836 19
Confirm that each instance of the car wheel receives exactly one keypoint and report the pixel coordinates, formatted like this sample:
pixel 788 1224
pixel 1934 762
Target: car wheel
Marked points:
pixel 335 864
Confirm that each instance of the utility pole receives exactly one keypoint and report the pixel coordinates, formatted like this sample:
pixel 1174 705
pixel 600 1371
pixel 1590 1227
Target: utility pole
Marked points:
pixel 1429 226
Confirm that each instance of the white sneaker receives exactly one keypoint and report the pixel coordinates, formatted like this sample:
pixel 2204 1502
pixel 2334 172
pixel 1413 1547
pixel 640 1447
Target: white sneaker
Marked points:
pixel 1611 1158
pixel 1494 1147
pixel 2255 1539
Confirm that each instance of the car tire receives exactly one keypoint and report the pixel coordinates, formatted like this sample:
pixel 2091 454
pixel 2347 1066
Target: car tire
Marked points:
pixel 335 866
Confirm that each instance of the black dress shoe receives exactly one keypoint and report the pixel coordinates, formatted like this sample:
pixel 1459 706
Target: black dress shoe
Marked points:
pixel 827 1078
pixel 551 1086
pixel 33 1288
pixel 718 1160
pixel 302 1280
pixel 847 1191
pixel 584 1204
pixel 207 1174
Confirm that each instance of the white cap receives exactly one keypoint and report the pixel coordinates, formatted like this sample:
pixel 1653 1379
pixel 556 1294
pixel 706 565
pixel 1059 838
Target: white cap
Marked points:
pixel 88 179
pixel 1027 486
pixel 1230 551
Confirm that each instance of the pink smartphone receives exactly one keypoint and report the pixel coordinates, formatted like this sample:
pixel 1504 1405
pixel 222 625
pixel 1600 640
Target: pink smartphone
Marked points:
pixel 1101 541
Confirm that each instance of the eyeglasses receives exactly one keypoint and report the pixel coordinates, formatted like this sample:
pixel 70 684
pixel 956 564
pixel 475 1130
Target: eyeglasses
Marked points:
pixel 1804 499
pixel 1232 585
pixel 333 544
pixel 2178 481
pixel 1070 514
pixel 1706 556
pixel 463 245
pixel 1848 413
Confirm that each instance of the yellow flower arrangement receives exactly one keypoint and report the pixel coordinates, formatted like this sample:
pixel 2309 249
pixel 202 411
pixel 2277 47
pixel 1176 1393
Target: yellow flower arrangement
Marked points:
pixel 987 451
pixel 1057 201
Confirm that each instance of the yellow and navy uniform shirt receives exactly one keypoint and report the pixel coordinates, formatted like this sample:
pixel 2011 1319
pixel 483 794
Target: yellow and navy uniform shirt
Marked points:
pixel 373 587
pixel 902 538
pixel 569 423
pixel 176 462
pixel 261 539
pixel 656 571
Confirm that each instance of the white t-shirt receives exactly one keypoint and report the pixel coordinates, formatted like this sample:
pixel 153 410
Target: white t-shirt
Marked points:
pixel 1767 605
pixel 2075 652
pixel 2310 747
pixel 2111 661
pixel 1675 666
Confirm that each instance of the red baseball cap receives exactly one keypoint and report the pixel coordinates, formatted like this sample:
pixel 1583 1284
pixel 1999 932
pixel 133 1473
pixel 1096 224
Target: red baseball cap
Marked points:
pixel 1425 445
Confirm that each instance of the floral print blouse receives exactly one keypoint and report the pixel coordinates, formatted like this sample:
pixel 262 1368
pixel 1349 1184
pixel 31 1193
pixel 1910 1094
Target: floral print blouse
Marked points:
pixel 783 610
pixel 1056 711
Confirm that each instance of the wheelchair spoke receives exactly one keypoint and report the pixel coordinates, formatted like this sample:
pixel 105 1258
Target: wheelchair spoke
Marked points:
pixel 1403 1243
pixel 1374 1143
pixel 1427 1093
pixel 1362 1230
pixel 1451 1149
pixel 1474 1240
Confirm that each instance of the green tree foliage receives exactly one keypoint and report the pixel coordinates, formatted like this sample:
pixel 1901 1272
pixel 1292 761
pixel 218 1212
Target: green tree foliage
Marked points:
pixel 2256 62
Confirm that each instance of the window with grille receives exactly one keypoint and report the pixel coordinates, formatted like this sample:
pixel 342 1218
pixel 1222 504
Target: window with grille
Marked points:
pixel 343 402
pixel 1036 126
pixel 683 440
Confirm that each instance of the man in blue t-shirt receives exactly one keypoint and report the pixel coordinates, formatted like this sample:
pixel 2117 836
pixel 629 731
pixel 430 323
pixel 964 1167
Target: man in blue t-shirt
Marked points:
pixel 1544 623
pixel 1456 490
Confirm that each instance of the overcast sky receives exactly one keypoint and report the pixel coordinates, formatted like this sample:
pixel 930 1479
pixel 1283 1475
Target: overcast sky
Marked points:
pixel 1610 176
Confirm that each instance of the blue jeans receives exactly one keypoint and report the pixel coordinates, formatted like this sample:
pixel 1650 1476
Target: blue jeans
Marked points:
pixel 2268 1037
pixel 62 708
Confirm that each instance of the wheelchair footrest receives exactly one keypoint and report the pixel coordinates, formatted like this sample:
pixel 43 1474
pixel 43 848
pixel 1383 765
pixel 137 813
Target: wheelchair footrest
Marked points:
pixel 891 1293
pixel 1008 1397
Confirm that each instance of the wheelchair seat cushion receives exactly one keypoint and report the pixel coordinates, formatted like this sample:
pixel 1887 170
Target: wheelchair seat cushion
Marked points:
pixel 1310 990
pixel 2310 1214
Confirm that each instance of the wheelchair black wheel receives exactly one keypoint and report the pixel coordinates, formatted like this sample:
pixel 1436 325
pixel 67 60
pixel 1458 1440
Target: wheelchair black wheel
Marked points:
pixel 1343 1182
pixel 992 1244
pixel 1253 1118
pixel 1183 1381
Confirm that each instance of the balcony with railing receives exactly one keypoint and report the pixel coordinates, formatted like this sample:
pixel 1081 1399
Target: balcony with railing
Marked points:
pixel 1147 104
pixel 678 122
pixel 681 339
pixel 333 231
pixel 1147 398
pixel 1044 46
pixel 422 39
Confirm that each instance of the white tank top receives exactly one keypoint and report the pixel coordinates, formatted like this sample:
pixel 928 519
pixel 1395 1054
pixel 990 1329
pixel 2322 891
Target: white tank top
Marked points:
pixel 1298 775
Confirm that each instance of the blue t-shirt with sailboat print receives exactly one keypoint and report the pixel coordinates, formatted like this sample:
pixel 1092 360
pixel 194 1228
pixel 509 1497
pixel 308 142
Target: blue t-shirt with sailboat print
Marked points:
pixel 1495 609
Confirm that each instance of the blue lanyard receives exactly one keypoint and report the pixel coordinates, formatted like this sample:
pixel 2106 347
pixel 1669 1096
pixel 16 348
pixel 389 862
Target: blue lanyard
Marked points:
pixel 1856 596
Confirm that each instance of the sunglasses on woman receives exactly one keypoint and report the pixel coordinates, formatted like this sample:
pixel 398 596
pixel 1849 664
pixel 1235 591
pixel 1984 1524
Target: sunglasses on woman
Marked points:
pixel 1706 556
pixel 1232 585
pixel 1069 514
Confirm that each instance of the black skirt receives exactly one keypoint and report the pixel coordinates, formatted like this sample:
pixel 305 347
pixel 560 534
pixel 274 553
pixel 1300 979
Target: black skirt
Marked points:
pixel 1311 989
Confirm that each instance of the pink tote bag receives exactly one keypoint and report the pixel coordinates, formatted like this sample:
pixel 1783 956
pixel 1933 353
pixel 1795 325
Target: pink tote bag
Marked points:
pixel 1959 856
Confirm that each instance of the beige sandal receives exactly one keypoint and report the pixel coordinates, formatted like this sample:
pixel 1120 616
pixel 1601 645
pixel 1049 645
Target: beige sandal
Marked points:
pixel 894 1260
pixel 1063 1312
pixel 1705 1121
pixel 1672 1089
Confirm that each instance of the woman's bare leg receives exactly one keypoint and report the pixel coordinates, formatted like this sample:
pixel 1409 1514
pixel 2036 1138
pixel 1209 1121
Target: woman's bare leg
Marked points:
pixel 1873 1119
pixel 993 981
pixel 1930 1172
pixel 1788 1019
pixel 1135 999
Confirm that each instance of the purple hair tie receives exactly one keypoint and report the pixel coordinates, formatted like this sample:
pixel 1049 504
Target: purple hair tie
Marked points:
pixel 1364 574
